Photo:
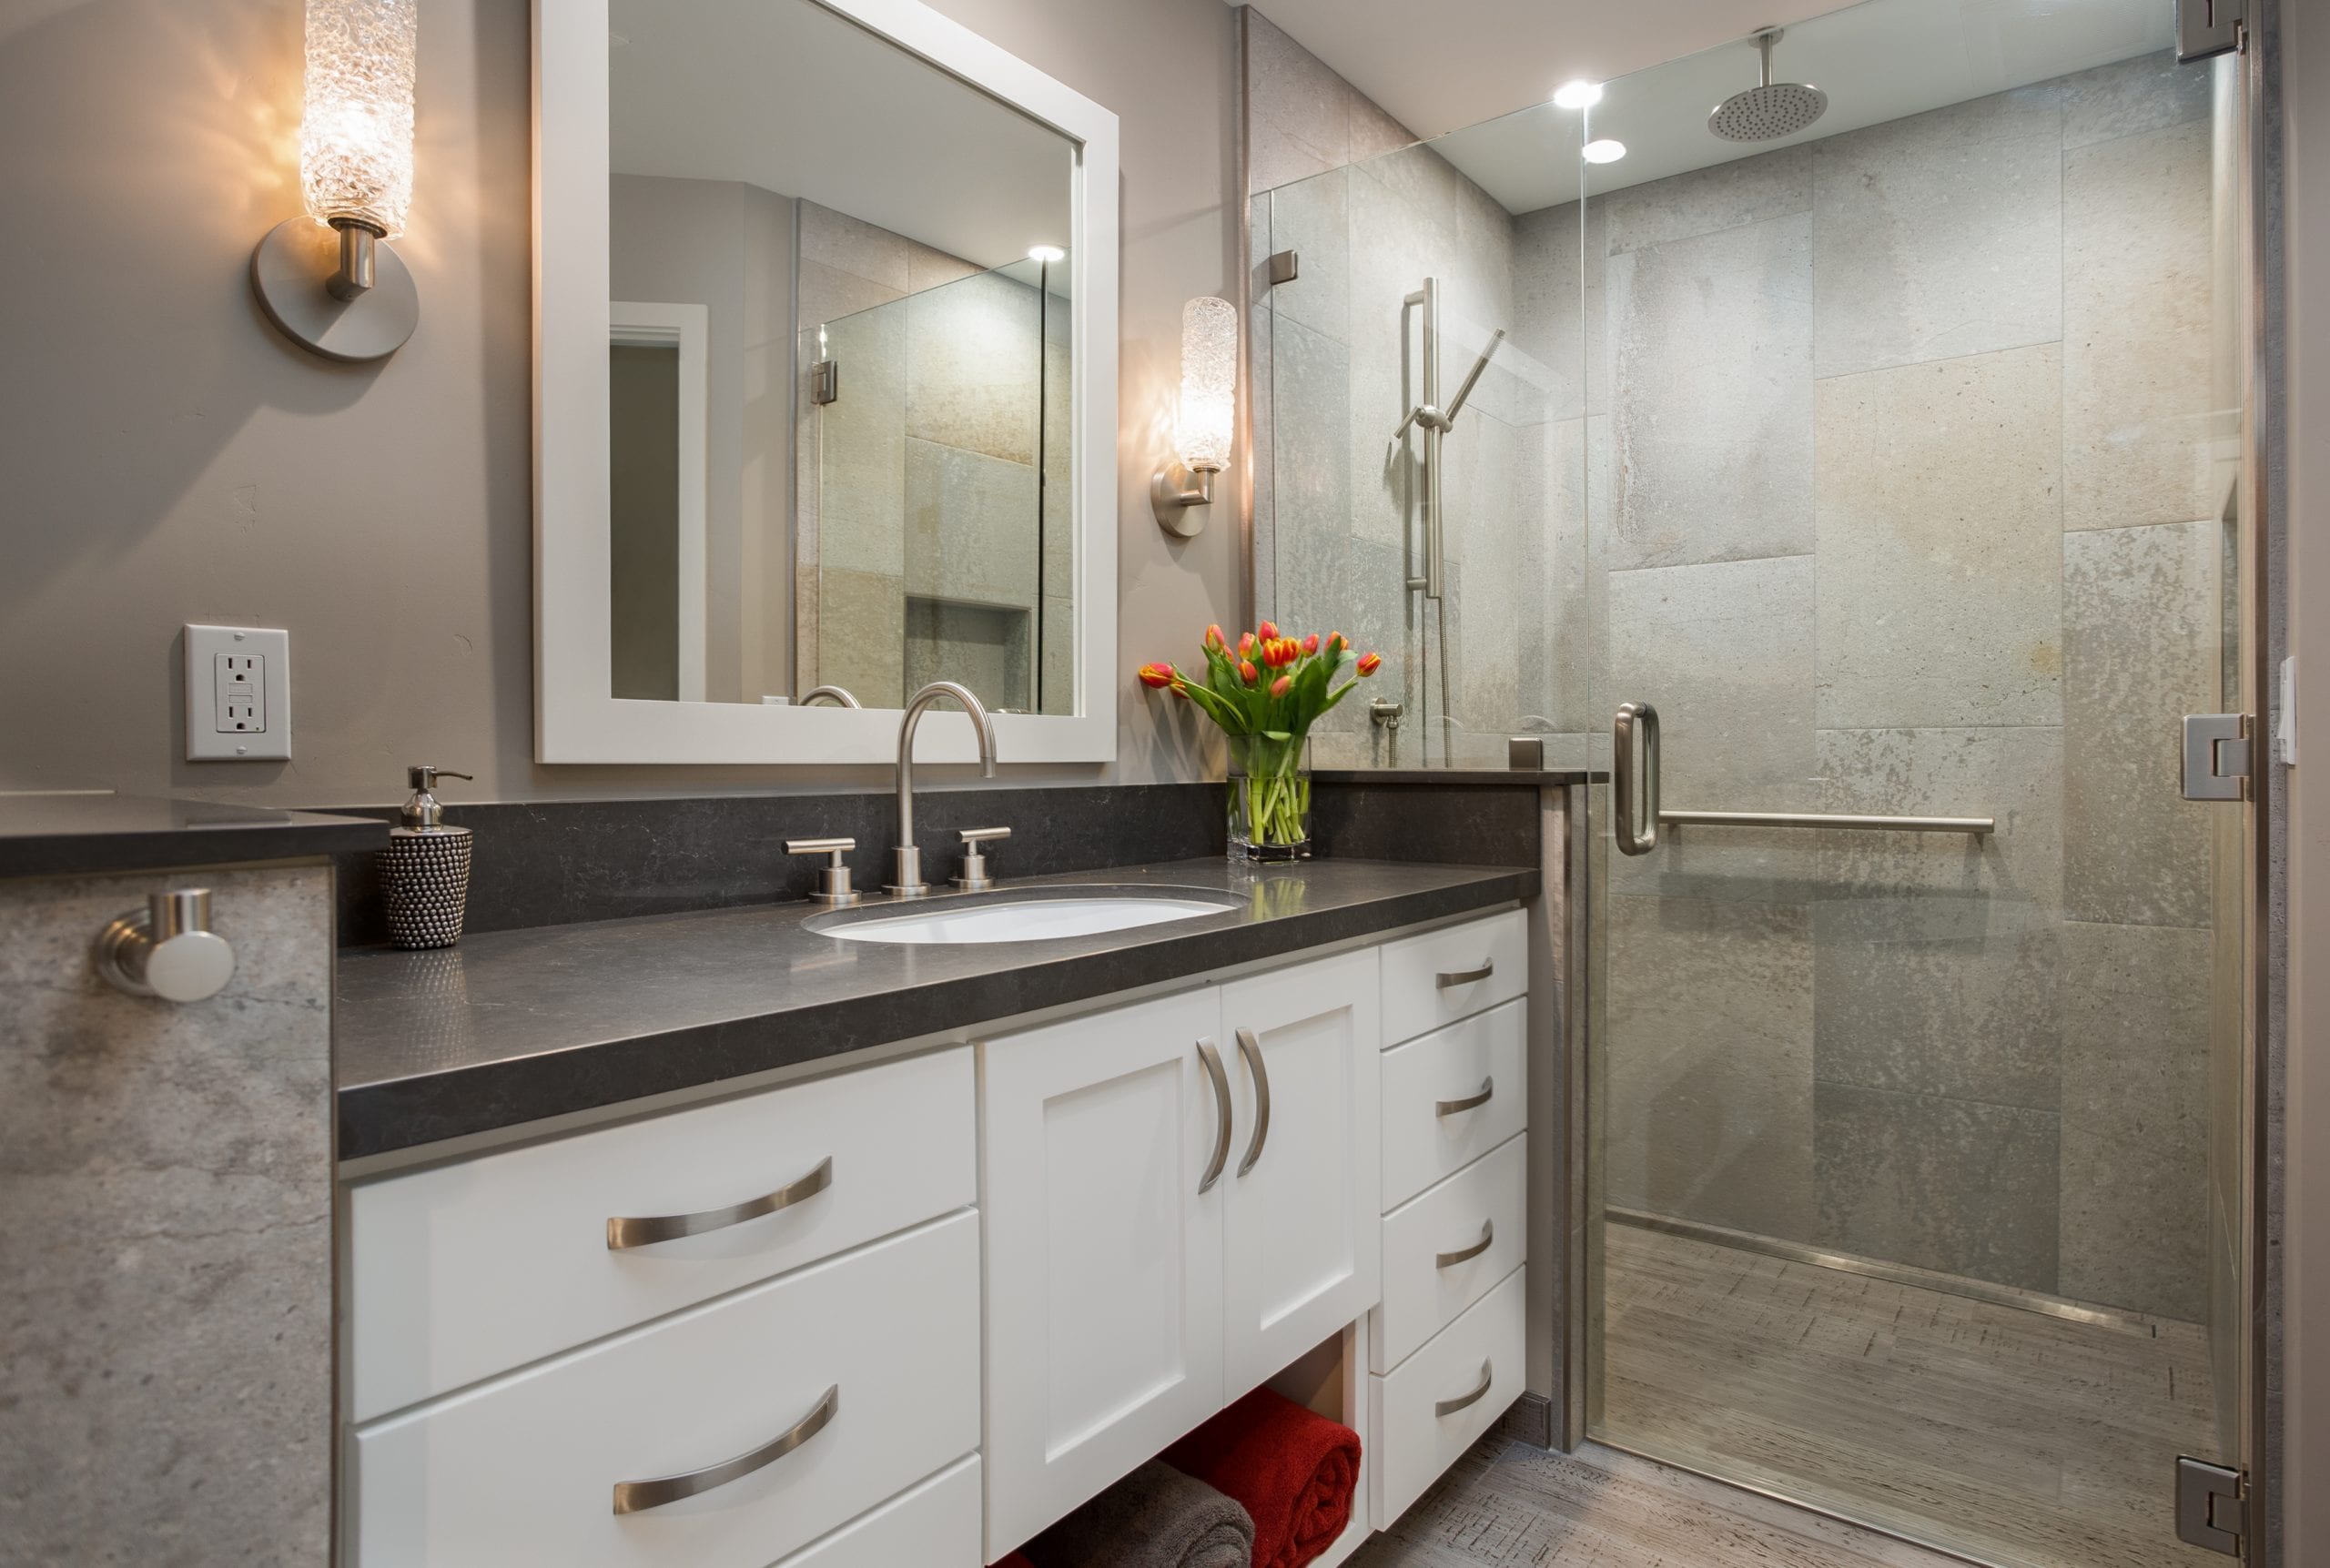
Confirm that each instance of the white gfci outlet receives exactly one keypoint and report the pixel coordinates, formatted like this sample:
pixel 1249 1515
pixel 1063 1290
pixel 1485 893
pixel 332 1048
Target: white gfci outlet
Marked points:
pixel 237 694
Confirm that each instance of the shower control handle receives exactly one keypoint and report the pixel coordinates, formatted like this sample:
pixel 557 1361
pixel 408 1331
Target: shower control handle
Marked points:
pixel 166 950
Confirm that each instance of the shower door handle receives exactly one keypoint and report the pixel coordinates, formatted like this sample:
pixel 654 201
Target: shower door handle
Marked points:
pixel 1635 792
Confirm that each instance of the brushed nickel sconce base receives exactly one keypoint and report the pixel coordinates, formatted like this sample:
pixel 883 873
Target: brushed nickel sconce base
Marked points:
pixel 1179 496
pixel 294 271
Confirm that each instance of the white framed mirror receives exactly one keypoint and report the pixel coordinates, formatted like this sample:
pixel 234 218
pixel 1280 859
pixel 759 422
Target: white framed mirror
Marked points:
pixel 825 372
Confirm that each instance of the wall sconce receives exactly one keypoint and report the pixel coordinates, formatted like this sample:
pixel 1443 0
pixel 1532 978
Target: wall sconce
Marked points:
pixel 1208 409
pixel 327 280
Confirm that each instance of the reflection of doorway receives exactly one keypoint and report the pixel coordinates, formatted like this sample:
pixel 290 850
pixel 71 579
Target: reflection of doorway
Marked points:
pixel 658 357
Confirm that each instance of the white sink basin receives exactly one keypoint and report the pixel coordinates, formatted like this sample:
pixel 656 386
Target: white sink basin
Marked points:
pixel 1024 920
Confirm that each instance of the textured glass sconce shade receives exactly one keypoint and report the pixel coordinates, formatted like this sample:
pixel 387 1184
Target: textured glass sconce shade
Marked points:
pixel 329 281
pixel 1208 382
pixel 356 134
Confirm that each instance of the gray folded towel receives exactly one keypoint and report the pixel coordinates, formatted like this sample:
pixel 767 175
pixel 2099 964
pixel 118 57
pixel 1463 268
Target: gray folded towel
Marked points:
pixel 1154 1518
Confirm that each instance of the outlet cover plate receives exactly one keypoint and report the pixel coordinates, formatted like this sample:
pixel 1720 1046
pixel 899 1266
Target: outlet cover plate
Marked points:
pixel 237 694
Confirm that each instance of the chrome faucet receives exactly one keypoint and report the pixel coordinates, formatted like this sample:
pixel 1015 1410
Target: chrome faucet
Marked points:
pixel 906 860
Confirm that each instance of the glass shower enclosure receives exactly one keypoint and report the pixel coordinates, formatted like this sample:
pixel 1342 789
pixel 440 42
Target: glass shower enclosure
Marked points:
pixel 1881 482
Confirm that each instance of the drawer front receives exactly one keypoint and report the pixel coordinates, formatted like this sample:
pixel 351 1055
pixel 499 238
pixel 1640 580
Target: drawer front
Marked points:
pixel 1422 1293
pixel 1410 1441
pixel 1424 983
pixel 1426 1138
pixel 526 1470
pixel 935 1524
pixel 467 1270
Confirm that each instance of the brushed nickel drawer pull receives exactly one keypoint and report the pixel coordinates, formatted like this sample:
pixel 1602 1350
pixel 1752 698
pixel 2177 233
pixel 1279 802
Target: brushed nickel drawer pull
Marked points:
pixel 1212 1060
pixel 1450 980
pixel 1251 1049
pixel 623 1234
pixel 1466 1254
pixel 1471 1101
pixel 1450 1407
pixel 634 1496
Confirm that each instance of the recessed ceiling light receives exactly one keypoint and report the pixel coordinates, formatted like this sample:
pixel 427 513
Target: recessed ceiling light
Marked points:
pixel 1577 95
pixel 1046 253
pixel 1604 151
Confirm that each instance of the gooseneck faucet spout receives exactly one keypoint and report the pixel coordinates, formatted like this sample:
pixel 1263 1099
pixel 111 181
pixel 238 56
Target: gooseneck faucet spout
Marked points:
pixel 906 860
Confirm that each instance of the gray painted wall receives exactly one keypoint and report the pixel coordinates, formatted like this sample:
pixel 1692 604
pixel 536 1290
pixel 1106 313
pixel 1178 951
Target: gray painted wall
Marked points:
pixel 169 458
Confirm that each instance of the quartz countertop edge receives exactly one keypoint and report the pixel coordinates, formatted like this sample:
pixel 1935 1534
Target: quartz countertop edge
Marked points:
pixel 71 834
pixel 515 1026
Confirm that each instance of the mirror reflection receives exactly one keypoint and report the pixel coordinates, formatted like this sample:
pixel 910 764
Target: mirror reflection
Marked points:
pixel 841 366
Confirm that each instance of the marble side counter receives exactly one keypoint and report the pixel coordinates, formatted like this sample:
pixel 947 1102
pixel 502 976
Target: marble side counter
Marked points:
pixel 514 1026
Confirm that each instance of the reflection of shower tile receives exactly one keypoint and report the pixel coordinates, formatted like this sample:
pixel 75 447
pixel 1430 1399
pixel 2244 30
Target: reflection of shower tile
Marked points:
pixel 2140 95
pixel 2135 1118
pixel 1940 235
pixel 1955 1184
pixel 828 295
pixel 1059 662
pixel 2014 775
pixel 1941 993
pixel 972 364
pixel 2140 626
pixel 1709 1054
pixel 861 635
pixel 1711 342
pixel 1745 190
pixel 2137 428
pixel 1941 555
pixel 849 245
pixel 970 526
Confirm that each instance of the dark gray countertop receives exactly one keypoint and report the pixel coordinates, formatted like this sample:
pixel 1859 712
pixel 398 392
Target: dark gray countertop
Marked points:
pixel 1457 775
pixel 66 835
pixel 511 1027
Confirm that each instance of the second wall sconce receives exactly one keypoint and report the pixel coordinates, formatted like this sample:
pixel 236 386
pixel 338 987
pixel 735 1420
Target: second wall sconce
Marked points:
pixel 328 280
pixel 1208 409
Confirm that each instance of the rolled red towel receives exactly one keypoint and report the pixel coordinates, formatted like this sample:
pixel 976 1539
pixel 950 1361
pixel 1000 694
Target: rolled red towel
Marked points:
pixel 1017 1560
pixel 1294 1470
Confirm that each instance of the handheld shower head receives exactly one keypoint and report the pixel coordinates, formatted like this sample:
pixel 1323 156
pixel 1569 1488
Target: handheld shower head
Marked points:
pixel 1770 109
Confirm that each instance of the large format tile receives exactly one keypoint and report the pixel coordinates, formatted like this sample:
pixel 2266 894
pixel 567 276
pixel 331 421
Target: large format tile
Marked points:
pixel 1709 1015
pixel 975 366
pixel 2138 422
pixel 861 634
pixel 1312 217
pixel 2013 775
pixel 851 245
pixel 2136 1022
pixel 2141 620
pixel 852 449
pixel 1941 554
pixel 2142 94
pixel 1710 343
pixel 1297 111
pixel 1956 1185
pixel 1311 462
pixel 970 527
pixel 1938 236
pixel 1745 190
pixel 1940 994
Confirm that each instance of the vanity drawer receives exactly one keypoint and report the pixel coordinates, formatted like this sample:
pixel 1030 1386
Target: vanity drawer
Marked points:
pixel 466 1270
pixel 1424 1136
pixel 525 1471
pixel 1421 988
pixel 1409 1441
pixel 935 1524
pixel 1420 1294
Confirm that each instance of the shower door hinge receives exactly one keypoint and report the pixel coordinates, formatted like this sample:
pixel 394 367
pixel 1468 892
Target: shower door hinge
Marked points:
pixel 2206 27
pixel 2217 756
pixel 1283 267
pixel 825 381
pixel 2212 1505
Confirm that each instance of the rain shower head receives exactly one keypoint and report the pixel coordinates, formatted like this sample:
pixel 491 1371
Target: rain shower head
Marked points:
pixel 1771 109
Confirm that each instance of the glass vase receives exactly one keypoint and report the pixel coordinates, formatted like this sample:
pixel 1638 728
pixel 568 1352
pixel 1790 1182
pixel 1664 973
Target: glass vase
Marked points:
pixel 1270 798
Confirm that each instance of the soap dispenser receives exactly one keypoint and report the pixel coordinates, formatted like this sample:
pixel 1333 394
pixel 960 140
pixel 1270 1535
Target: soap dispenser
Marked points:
pixel 425 870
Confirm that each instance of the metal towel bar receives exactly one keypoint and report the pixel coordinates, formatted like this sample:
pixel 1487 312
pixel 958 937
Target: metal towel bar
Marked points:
pixel 1978 825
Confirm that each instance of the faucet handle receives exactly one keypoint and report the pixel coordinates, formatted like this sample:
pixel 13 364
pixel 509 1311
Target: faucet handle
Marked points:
pixel 833 880
pixel 975 877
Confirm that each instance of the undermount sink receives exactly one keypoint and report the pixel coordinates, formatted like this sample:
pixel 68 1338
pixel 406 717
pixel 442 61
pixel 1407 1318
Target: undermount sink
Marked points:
pixel 1025 919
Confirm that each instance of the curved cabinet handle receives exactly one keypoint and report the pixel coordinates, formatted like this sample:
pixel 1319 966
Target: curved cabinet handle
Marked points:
pixel 1447 980
pixel 1251 1049
pixel 1213 1070
pixel 634 1496
pixel 624 1234
pixel 1466 1254
pixel 1470 1102
pixel 1450 1407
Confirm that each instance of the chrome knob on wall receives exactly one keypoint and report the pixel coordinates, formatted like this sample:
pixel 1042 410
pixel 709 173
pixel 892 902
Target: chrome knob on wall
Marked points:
pixel 167 949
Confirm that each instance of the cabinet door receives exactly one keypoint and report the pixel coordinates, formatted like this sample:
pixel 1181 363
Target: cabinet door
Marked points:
pixel 1103 1259
pixel 1303 1257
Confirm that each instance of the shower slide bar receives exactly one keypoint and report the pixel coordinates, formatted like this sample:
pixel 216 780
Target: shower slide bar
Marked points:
pixel 1633 788
pixel 1435 423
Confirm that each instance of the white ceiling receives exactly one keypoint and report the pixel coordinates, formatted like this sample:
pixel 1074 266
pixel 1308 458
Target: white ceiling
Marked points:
pixel 790 98
pixel 1878 61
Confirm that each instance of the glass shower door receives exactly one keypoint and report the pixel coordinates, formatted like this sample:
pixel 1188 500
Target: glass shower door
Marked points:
pixel 1915 1005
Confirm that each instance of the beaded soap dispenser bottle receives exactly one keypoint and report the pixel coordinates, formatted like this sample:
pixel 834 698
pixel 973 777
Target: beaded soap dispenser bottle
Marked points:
pixel 425 870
